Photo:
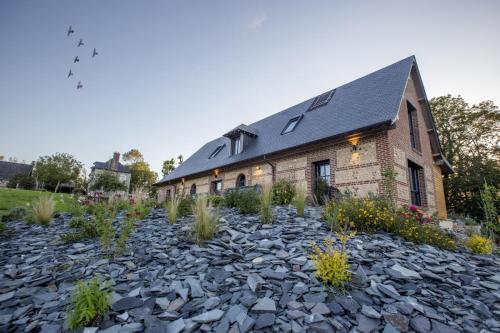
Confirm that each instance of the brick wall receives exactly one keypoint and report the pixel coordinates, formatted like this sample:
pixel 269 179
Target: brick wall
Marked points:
pixel 402 151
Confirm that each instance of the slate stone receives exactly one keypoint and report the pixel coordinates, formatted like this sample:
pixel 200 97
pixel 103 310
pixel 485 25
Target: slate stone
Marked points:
pixel 370 312
pixel 209 316
pixel 438 327
pixel 420 324
pixel 399 272
pixel 397 320
pixel 265 304
pixel 365 324
pixel 389 290
pixel 176 326
pixel 195 287
pixel 264 320
pixel 127 303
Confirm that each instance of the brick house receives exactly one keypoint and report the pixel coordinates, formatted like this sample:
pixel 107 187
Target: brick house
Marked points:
pixel 347 136
pixel 114 167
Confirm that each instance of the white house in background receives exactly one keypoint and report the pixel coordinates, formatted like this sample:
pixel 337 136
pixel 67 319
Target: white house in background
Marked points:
pixel 114 166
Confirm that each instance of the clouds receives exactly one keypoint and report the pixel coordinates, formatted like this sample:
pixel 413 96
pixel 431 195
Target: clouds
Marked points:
pixel 257 21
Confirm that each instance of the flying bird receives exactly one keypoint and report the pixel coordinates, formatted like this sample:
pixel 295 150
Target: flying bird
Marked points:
pixel 76 60
pixel 70 73
pixel 94 53
pixel 79 85
pixel 80 43
pixel 70 31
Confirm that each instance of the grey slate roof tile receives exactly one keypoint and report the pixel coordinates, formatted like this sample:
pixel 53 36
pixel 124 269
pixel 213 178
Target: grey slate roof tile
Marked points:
pixel 370 100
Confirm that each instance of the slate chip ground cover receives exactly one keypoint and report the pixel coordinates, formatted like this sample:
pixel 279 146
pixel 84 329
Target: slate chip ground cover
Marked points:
pixel 249 277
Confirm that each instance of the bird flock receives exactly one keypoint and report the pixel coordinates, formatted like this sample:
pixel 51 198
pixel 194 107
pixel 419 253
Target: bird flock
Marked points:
pixel 77 59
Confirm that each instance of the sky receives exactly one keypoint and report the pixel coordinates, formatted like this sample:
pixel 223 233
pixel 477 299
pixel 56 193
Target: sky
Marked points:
pixel 173 75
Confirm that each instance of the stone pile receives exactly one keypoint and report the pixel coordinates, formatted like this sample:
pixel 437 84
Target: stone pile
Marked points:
pixel 249 278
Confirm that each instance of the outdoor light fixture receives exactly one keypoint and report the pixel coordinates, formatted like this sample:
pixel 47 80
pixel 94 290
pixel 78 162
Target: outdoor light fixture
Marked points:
pixel 216 173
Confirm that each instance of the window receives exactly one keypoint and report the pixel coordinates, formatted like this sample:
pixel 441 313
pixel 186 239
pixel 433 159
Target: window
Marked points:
pixel 415 170
pixel 291 125
pixel 192 191
pixel 412 122
pixel 322 172
pixel 241 181
pixel 237 145
pixel 321 100
pixel 216 151
pixel 217 187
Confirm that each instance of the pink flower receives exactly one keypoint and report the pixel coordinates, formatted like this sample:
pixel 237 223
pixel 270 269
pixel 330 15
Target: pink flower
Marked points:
pixel 413 208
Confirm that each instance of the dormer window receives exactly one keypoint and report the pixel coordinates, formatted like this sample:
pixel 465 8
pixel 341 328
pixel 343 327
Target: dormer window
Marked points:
pixel 321 100
pixel 237 146
pixel 241 137
pixel 216 151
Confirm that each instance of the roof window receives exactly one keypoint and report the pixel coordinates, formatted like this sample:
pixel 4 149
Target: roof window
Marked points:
pixel 291 125
pixel 216 151
pixel 321 100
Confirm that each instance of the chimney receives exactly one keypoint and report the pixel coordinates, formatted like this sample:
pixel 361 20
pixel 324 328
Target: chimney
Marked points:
pixel 116 159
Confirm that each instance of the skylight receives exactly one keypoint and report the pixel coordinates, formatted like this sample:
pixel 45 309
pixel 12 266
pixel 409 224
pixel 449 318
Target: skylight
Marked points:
pixel 216 151
pixel 291 125
pixel 321 100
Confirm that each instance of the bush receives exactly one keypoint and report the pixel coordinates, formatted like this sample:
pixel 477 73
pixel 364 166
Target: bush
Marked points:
pixel 43 209
pixel 480 245
pixel 21 181
pixel 127 227
pixel 88 304
pixel 248 201
pixel 283 192
pixel 216 200
pixel 266 212
pixel 185 207
pixel 141 210
pixel 172 208
pixel 205 220
pixel 372 215
pixel 300 199
pixel 86 229
pixel 331 264
pixel 231 198
pixel 107 182
pixel 15 214
pixel 321 191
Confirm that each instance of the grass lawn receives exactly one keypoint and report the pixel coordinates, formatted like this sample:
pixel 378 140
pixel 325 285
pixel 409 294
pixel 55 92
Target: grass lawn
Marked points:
pixel 10 198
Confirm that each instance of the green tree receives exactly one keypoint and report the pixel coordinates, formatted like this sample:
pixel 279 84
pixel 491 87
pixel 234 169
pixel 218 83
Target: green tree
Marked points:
pixel 57 169
pixel 141 174
pixel 470 140
pixel 108 182
pixel 168 166
pixel 21 181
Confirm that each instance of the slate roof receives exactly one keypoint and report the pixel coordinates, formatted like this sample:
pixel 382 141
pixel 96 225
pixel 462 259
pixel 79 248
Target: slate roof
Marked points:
pixel 107 166
pixel 10 169
pixel 369 101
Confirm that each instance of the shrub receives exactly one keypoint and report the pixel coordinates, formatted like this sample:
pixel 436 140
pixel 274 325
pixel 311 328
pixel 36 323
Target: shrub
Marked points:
pixel 127 227
pixel 283 192
pixel 21 181
pixel 86 229
pixel 2 227
pixel 266 212
pixel 88 304
pixel 231 198
pixel 141 210
pixel 185 207
pixel 105 229
pixel 480 245
pixel 489 201
pixel 248 201
pixel 43 209
pixel 321 191
pixel 331 264
pixel 15 214
pixel 107 182
pixel 172 208
pixel 216 200
pixel 205 220
pixel 300 199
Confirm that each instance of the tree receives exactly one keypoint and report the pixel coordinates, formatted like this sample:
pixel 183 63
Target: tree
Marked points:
pixel 141 173
pixel 56 169
pixel 2 157
pixel 168 166
pixel 180 159
pixel 108 182
pixel 21 181
pixel 133 156
pixel 470 140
